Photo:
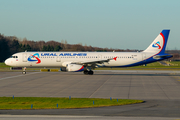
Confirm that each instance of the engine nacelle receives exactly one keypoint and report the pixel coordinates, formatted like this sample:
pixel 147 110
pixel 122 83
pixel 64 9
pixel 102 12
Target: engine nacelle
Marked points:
pixel 74 67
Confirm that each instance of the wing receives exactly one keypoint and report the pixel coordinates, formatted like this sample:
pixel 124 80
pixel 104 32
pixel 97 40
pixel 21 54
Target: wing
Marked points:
pixel 94 62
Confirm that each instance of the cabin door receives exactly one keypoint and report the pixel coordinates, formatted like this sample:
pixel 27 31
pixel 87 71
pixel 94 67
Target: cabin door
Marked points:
pixel 58 59
pixel 144 57
pixel 100 57
pixel 24 57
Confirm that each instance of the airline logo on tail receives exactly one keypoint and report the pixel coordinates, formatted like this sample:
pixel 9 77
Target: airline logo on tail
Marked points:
pixel 157 45
pixel 34 58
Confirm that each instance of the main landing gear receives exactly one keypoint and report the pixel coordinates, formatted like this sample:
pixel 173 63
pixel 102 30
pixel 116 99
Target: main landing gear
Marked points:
pixel 24 71
pixel 86 72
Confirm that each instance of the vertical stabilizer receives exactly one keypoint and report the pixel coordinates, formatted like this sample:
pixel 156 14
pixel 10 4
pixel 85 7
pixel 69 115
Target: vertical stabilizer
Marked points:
pixel 158 46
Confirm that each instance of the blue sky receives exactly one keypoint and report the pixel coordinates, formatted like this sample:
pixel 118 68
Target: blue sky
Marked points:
pixel 123 24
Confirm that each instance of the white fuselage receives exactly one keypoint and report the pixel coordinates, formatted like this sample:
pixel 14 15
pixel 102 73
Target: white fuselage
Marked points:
pixel 60 59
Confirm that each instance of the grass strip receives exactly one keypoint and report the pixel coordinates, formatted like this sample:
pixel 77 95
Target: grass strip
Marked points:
pixel 3 65
pixel 63 103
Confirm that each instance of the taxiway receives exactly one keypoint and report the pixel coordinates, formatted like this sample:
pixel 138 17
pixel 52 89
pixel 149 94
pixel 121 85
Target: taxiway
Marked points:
pixel 159 90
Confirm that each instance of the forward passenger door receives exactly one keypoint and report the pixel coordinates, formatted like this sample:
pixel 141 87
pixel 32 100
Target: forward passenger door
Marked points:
pixel 24 57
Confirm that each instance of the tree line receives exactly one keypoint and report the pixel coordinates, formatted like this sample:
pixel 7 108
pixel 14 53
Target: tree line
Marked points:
pixel 11 44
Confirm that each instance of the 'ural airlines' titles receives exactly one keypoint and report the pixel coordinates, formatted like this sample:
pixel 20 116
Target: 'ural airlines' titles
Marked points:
pixel 64 54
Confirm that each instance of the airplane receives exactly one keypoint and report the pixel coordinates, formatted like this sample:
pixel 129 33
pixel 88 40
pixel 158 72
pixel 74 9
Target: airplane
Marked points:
pixel 87 61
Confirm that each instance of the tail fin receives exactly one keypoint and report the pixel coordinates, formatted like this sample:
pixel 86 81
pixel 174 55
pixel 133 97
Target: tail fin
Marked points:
pixel 158 46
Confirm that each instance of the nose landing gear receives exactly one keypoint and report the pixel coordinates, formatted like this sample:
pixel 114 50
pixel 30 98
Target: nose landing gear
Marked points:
pixel 24 71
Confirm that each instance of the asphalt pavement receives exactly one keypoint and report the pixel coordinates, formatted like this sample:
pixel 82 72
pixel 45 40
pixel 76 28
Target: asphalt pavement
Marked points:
pixel 159 90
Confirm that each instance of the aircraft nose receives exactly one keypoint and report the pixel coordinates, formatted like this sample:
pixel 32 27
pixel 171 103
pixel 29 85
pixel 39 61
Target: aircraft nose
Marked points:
pixel 6 62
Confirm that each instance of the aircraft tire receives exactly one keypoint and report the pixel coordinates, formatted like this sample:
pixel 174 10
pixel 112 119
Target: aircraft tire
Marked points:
pixel 90 72
pixel 24 72
pixel 86 72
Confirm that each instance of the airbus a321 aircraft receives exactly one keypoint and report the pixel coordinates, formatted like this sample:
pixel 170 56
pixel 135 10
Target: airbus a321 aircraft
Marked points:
pixel 86 61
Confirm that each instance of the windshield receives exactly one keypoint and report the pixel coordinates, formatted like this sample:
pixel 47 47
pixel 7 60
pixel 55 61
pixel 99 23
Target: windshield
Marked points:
pixel 14 57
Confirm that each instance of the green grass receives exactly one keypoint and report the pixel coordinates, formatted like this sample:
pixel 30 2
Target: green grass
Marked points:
pixel 3 65
pixel 63 103
pixel 174 63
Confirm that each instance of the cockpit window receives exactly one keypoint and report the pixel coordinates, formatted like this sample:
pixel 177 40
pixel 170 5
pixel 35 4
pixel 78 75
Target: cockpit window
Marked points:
pixel 14 57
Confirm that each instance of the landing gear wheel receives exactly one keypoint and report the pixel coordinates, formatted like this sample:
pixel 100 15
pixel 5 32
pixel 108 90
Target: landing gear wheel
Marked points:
pixel 86 72
pixel 24 72
pixel 90 72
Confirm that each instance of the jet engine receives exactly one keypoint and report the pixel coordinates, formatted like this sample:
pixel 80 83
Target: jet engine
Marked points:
pixel 73 68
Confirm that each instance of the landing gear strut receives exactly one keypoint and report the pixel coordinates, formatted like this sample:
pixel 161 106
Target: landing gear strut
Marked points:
pixel 86 72
pixel 24 71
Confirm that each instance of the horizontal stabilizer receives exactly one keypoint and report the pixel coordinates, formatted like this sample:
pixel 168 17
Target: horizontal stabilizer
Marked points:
pixel 162 56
